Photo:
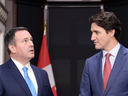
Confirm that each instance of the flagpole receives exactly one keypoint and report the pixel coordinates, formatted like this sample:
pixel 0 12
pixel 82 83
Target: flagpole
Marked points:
pixel 45 26
pixel 46 22
pixel 44 61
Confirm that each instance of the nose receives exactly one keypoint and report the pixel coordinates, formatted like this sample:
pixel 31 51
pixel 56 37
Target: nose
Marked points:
pixel 31 43
pixel 93 36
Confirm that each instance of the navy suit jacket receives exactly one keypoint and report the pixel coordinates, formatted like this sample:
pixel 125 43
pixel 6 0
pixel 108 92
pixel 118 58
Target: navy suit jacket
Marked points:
pixel 12 82
pixel 92 82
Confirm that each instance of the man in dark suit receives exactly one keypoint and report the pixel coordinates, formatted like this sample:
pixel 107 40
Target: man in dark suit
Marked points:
pixel 106 73
pixel 13 80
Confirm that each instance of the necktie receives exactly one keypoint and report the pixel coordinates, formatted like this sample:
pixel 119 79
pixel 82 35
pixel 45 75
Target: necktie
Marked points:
pixel 29 82
pixel 107 70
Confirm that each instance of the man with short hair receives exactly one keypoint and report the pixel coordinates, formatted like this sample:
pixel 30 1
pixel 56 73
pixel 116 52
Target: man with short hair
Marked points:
pixel 18 77
pixel 106 73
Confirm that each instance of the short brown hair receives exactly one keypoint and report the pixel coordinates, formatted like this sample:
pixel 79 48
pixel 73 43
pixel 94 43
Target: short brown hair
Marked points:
pixel 108 21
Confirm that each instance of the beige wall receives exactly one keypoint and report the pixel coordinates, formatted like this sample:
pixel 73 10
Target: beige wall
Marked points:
pixel 11 7
pixel 2 31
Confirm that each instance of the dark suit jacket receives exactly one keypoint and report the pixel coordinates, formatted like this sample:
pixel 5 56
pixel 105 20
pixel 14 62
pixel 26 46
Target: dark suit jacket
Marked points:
pixel 12 82
pixel 92 82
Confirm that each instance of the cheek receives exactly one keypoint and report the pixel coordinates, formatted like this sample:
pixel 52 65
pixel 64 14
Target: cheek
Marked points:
pixel 21 51
pixel 103 39
pixel 100 39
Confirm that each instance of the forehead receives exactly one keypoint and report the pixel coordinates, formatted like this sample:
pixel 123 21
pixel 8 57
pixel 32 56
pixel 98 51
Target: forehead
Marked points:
pixel 95 27
pixel 22 34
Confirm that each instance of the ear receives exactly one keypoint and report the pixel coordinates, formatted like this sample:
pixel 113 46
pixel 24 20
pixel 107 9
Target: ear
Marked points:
pixel 111 33
pixel 12 48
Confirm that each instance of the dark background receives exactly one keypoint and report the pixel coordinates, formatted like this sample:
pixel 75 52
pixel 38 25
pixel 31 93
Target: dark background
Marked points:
pixel 68 36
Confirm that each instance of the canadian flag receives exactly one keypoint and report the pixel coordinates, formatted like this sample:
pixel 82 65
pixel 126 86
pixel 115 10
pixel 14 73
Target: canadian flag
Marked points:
pixel 45 63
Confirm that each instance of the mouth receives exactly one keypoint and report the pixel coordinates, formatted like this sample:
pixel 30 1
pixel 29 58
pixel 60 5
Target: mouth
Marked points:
pixel 95 43
pixel 31 50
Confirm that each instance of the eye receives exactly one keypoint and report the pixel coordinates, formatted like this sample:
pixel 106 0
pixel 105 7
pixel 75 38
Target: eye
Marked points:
pixel 97 32
pixel 31 39
pixel 25 40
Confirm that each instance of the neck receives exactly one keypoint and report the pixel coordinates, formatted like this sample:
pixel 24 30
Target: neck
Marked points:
pixel 111 45
pixel 23 62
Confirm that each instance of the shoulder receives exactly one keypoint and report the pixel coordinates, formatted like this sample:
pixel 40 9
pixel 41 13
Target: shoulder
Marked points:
pixel 95 56
pixel 123 49
pixel 6 64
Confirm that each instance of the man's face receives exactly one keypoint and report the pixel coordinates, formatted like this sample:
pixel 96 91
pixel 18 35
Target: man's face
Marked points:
pixel 100 38
pixel 24 48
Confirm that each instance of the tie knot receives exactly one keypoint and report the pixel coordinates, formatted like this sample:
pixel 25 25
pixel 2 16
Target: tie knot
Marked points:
pixel 107 55
pixel 25 69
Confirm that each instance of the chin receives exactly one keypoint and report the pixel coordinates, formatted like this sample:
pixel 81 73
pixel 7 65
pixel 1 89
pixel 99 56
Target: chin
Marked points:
pixel 98 48
pixel 32 56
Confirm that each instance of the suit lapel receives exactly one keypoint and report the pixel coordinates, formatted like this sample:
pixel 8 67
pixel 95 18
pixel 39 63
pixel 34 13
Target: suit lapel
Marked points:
pixel 120 59
pixel 13 70
pixel 98 70
pixel 37 75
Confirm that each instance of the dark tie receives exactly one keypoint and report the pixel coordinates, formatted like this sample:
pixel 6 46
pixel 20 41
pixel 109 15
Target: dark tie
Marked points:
pixel 107 71
pixel 29 82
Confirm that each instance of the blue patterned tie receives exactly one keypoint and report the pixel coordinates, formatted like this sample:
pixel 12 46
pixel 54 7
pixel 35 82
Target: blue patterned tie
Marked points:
pixel 29 82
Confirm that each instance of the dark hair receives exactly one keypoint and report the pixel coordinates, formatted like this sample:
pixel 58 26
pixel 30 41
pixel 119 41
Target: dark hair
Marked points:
pixel 9 38
pixel 108 21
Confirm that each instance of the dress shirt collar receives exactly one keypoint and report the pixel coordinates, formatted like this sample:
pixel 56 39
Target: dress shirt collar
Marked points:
pixel 20 66
pixel 113 52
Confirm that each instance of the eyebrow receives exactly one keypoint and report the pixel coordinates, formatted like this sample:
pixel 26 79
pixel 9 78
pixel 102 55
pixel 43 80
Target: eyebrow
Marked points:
pixel 25 38
pixel 31 38
pixel 28 38
pixel 94 31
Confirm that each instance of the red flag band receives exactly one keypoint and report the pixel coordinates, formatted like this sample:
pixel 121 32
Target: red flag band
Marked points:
pixel 45 63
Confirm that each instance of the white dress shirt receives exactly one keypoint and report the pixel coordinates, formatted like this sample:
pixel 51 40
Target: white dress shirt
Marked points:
pixel 30 72
pixel 112 57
